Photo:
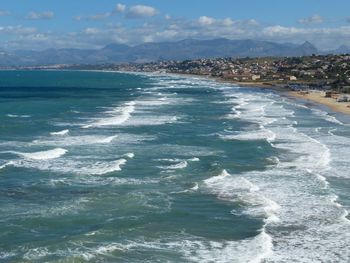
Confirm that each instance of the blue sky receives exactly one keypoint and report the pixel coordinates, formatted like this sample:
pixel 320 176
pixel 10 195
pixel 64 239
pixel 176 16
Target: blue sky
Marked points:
pixel 39 24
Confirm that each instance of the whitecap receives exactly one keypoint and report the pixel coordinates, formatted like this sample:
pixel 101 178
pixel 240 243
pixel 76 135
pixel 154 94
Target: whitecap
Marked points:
pixel 17 116
pixel 195 187
pixel 76 140
pixel 129 155
pixel 43 155
pixel 60 133
pixel 6 164
pixel 180 165
pixel 115 117
pixel 262 134
pixel 327 117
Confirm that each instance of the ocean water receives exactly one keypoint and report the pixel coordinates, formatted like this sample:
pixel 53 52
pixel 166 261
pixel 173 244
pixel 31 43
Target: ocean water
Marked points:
pixel 111 167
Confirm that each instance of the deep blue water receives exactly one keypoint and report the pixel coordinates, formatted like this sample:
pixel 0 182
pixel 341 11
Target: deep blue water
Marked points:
pixel 110 167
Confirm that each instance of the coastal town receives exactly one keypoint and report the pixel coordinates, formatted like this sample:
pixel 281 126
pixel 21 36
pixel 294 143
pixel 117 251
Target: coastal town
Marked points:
pixel 329 72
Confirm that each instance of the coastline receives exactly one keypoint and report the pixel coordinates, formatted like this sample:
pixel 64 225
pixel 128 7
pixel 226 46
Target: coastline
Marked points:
pixel 311 95
pixel 318 97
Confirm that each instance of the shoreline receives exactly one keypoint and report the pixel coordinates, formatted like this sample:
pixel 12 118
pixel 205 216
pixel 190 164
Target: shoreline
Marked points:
pixel 318 97
pixel 315 96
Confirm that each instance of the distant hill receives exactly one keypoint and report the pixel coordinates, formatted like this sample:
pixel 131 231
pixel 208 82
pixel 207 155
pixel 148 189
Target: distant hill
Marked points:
pixel 148 52
pixel 343 49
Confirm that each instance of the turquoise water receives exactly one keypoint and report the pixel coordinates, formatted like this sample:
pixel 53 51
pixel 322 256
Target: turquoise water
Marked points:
pixel 110 167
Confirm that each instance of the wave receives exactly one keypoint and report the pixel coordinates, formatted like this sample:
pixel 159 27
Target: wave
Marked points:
pixel 153 102
pixel 311 154
pixel 115 117
pixel 195 187
pixel 77 140
pixel 60 133
pixel 106 140
pixel 111 167
pixel 17 116
pixel 179 165
pixel 325 115
pixel 74 166
pixel 191 249
pixel 240 190
pixel 6 164
pixel 263 134
pixel 129 155
pixel 153 120
pixel 43 155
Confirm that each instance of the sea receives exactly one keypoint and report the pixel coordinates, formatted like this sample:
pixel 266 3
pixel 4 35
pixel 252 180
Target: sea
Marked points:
pixel 126 167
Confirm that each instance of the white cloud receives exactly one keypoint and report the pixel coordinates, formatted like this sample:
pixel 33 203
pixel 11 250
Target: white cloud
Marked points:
pixel 99 16
pixel 315 19
pixel 206 21
pixel 227 22
pixel 18 30
pixel 141 11
pixel 120 8
pixel 148 39
pixel 91 31
pixel 253 22
pixel 274 31
pixel 38 16
pixel 173 29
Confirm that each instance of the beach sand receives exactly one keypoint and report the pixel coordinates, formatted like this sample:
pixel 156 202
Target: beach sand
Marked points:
pixel 312 95
pixel 319 97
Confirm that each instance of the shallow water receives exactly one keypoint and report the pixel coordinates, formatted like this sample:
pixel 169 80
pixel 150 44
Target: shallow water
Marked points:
pixel 110 167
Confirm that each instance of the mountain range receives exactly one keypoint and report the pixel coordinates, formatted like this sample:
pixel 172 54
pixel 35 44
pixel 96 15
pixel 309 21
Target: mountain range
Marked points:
pixel 181 50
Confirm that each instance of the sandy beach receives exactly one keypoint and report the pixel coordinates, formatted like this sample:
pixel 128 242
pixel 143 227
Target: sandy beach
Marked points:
pixel 312 95
pixel 319 97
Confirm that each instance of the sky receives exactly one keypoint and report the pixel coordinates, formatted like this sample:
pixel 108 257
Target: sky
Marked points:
pixel 42 24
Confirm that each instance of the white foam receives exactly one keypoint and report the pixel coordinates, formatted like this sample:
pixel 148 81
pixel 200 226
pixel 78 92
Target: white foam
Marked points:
pixel 194 159
pixel 331 131
pixel 312 154
pixel 195 187
pixel 101 168
pixel 107 139
pixel 60 133
pixel 76 140
pixel 5 255
pixel 327 117
pixel 129 155
pixel 241 190
pixel 17 116
pixel 43 155
pixel 74 166
pixel 153 102
pixel 5 165
pixel 263 134
pixel 250 250
pixel 115 117
pixel 180 165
